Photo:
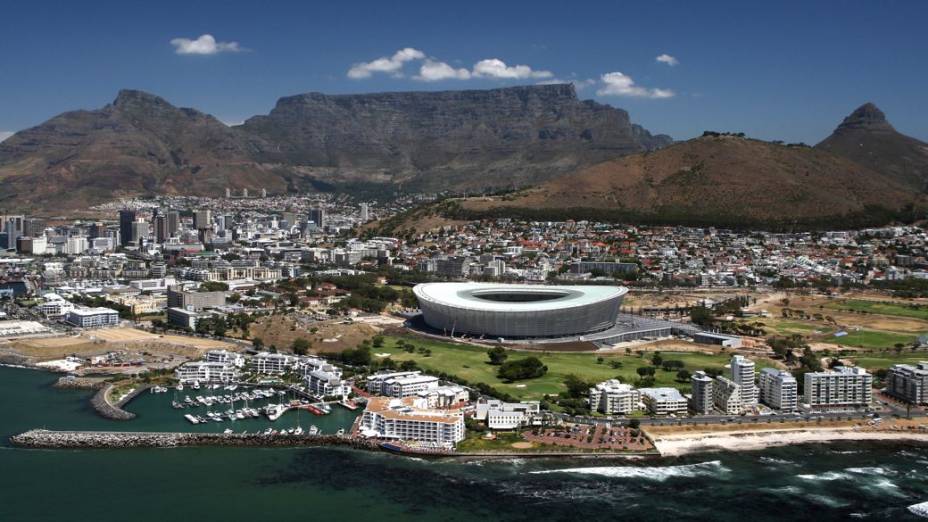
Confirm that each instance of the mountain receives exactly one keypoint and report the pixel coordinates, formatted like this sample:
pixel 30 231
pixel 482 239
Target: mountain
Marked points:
pixel 139 144
pixel 142 145
pixel 867 138
pixel 715 179
pixel 448 139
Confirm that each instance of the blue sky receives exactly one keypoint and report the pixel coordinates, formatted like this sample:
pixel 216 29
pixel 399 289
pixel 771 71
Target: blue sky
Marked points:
pixel 783 70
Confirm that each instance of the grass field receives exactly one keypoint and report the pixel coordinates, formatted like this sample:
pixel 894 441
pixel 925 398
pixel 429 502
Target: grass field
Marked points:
pixel 881 307
pixel 871 339
pixel 876 362
pixel 471 363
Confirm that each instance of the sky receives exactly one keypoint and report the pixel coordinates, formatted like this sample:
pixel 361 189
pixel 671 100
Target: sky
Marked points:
pixel 784 70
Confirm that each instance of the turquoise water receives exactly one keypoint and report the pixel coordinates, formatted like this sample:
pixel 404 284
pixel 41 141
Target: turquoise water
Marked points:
pixel 814 482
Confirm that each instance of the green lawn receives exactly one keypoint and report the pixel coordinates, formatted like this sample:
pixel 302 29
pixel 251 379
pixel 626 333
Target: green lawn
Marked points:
pixel 470 363
pixel 786 327
pixel 878 361
pixel 872 339
pixel 881 307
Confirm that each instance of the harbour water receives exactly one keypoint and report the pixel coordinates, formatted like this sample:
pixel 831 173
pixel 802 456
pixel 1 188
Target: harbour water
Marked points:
pixel 813 482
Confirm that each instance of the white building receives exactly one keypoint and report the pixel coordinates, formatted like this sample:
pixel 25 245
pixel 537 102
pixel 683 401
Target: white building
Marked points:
pixel 54 306
pixel 500 415
pixel 663 401
pixel 206 372
pixel 273 363
pixel 409 419
pixel 225 356
pixel 614 398
pixel 93 317
pixel 702 398
pixel 779 389
pixel 845 386
pixel 450 396
pixel 326 384
pixel 726 396
pixel 400 384
pixel 742 374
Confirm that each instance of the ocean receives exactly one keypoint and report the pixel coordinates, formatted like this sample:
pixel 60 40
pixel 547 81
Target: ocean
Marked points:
pixel 809 482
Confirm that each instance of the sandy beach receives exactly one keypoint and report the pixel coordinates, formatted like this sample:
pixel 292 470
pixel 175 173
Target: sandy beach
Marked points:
pixel 675 444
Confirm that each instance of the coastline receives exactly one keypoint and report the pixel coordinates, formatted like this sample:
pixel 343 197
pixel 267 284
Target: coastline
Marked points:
pixel 675 445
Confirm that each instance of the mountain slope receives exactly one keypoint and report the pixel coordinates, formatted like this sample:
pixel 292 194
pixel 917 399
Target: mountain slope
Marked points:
pixel 867 138
pixel 713 179
pixel 139 144
pixel 447 139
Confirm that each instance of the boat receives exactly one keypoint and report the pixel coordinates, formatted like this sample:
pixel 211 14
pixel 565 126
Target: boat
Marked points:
pixel 176 405
pixel 179 387
pixel 298 431
pixel 227 431
pixel 192 419
pixel 313 430
pixel 196 385
pixel 340 432
pixel 274 411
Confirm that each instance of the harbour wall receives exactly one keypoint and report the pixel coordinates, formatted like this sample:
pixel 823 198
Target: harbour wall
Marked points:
pixel 122 439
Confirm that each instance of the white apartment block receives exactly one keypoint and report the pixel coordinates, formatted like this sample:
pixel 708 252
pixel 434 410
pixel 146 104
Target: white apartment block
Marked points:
pixel 500 415
pixel 409 419
pixel 93 317
pixel 325 384
pixel 726 396
pixel 451 396
pixel 55 306
pixel 273 363
pixel 225 356
pixel 663 401
pixel 614 398
pixel 908 383
pixel 742 374
pixel 400 384
pixel 702 398
pixel 206 372
pixel 778 389
pixel 845 386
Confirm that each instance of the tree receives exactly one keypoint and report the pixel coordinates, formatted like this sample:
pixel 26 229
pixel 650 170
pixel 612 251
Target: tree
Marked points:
pixel 301 346
pixel 683 375
pixel 497 355
pixel 645 371
pixel 520 369
pixel 378 341
pixel 656 359
pixel 258 343
pixel 409 366
pixel 576 387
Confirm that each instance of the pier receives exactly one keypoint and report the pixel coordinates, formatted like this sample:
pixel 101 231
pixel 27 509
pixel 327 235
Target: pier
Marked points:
pixel 49 439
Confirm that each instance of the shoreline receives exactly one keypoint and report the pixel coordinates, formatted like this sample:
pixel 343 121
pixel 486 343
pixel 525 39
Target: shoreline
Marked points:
pixel 675 445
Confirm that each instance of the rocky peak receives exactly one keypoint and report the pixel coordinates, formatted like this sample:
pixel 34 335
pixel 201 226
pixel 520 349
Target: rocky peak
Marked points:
pixel 867 116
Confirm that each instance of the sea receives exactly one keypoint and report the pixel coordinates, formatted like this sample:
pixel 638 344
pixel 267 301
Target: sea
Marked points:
pixel 808 482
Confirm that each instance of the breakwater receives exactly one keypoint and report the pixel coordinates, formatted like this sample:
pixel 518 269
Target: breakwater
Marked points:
pixel 107 409
pixel 49 439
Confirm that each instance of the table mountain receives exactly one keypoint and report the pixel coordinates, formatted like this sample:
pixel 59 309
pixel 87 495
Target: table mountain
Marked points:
pixel 141 144
pixel 867 138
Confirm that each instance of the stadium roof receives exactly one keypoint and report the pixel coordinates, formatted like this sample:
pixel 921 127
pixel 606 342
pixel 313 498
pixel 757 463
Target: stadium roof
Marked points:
pixel 493 297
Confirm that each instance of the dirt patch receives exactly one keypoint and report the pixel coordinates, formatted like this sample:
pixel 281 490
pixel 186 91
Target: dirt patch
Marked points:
pixel 329 336
pixel 522 445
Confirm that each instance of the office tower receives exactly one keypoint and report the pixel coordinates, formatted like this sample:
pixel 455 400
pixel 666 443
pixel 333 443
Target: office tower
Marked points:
pixel 263 193
pixel 228 192
pixel 202 219
pixel 365 212
pixel 126 219
pixel 161 228
pixel 173 223
pixel 139 231
pixel 317 216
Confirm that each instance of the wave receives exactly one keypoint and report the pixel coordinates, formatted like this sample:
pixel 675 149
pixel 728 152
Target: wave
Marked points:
pixel 848 474
pixel 781 462
pixel 656 473
pixel 919 509
pixel 827 501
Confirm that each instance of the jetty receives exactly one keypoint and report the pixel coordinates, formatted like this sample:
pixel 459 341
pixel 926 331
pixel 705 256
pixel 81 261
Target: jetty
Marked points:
pixel 51 439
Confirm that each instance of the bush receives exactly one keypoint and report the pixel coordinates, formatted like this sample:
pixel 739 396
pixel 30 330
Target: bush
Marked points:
pixel 520 369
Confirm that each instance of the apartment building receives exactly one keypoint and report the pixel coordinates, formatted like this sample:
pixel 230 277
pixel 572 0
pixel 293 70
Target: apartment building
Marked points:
pixel 908 383
pixel 206 372
pixel 499 415
pixel 400 384
pixel 663 401
pixel 701 398
pixel 726 396
pixel 778 389
pixel 86 317
pixel 410 419
pixel 844 386
pixel 614 398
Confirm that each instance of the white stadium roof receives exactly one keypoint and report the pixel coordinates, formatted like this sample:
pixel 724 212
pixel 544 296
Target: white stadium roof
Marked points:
pixel 493 297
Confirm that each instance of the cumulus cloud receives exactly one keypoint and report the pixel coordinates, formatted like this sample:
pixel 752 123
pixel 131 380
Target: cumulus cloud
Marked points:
pixel 496 68
pixel 669 60
pixel 5 134
pixel 578 84
pixel 391 65
pixel 619 84
pixel 206 44
pixel 433 71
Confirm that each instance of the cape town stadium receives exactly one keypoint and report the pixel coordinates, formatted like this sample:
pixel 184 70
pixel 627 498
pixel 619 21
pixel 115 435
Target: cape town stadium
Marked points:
pixel 519 311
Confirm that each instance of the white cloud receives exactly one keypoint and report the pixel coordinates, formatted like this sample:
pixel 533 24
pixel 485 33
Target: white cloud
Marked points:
pixel 5 134
pixel 496 68
pixel 206 44
pixel 432 71
pixel 669 60
pixel 619 84
pixel 391 65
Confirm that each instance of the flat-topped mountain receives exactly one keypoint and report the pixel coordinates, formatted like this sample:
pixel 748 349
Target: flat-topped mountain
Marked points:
pixel 867 138
pixel 140 145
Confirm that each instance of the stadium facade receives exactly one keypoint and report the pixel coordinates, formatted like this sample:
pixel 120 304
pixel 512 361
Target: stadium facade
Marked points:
pixel 511 311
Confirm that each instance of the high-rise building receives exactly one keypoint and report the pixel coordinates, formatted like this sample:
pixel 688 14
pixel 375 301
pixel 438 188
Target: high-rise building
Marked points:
pixel 726 396
pixel 742 373
pixel 702 396
pixel 173 223
pixel 13 226
pixel 317 216
pixel 263 193
pixel 161 228
pixel 778 389
pixel 228 192
pixel 126 219
pixel 203 219
pixel 845 386
pixel 909 383
pixel 365 212
pixel 139 231
pixel 97 229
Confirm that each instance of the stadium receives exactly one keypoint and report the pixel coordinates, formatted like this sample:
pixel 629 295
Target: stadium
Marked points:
pixel 522 313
